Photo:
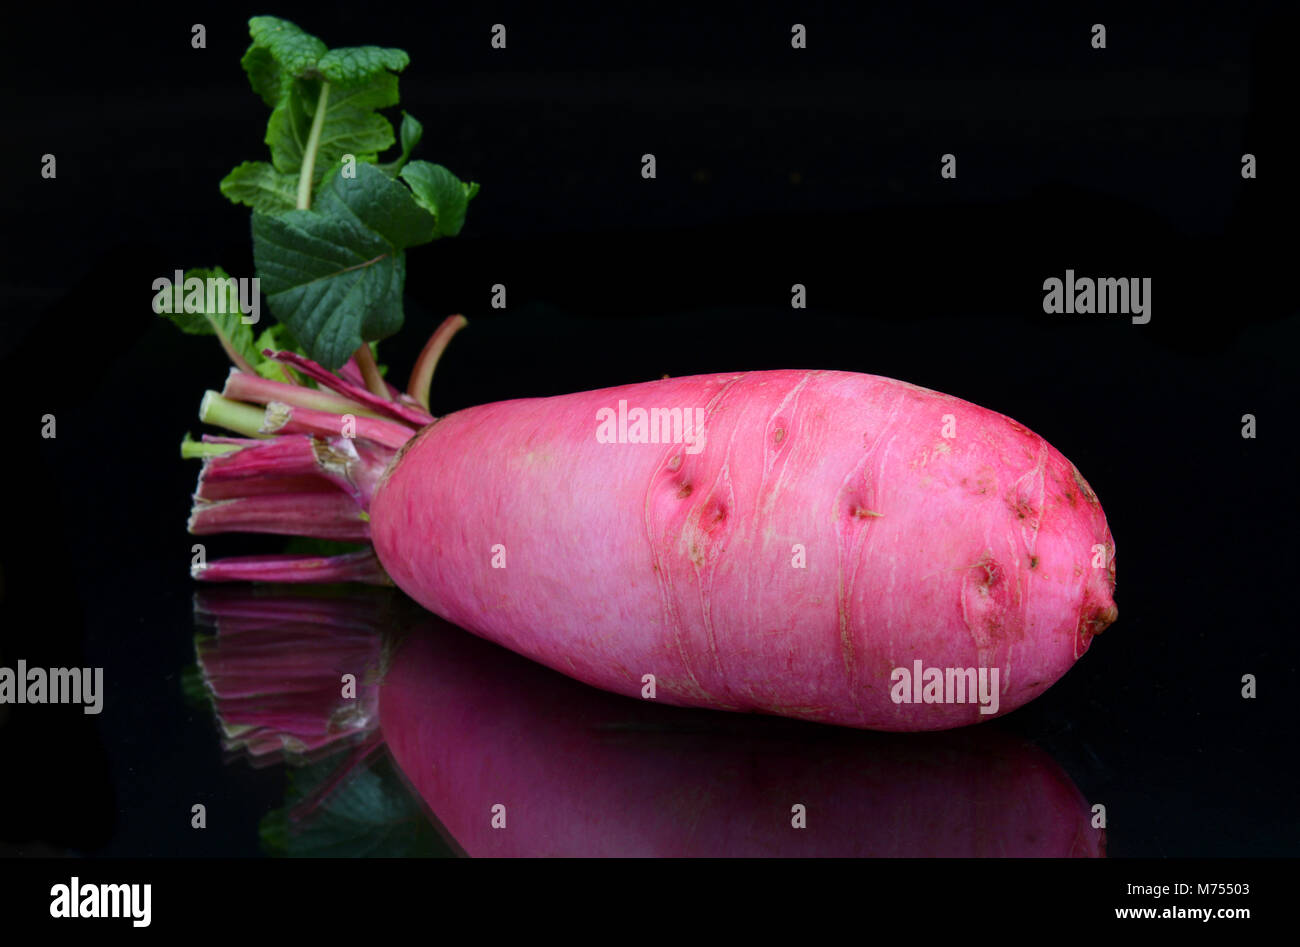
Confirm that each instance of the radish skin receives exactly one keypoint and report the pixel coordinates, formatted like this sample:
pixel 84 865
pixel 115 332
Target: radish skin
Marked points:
pixel 931 530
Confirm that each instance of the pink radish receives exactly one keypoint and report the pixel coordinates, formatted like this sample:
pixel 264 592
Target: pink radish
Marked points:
pixel 818 541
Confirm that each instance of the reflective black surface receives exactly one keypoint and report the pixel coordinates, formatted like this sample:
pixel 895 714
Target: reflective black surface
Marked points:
pixel 507 758
pixel 774 170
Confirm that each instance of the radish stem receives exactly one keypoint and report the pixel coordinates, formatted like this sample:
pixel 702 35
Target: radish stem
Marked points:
pixel 242 386
pixel 313 145
pixel 370 371
pixel 322 515
pixel 283 418
pixel 240 362
pixel 359 566
pixel 192 449
pixel 232 415
pixel 422 373
pixel 411 414
pixel 300 471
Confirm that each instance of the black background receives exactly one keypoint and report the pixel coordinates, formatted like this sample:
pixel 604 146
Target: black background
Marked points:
pixel 775 166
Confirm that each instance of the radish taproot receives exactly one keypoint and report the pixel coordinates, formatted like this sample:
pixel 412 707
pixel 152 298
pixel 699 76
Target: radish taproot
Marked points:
pixel 826 545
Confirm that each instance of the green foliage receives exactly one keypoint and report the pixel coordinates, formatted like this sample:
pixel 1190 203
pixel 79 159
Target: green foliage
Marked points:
pixel 334 268
pixel 260 186
pixel 334 274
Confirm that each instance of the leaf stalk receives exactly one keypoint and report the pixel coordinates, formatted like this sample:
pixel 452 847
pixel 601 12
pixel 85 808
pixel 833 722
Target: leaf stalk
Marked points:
pixel 313 145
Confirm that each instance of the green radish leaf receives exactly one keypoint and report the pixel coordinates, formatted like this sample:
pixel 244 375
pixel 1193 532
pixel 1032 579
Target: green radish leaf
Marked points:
pixel 352 126
pixel 191 323
pixel 287 69
pixel 327 279
pixel 297 52
pixel 334 274
pixel 379 366
pixel 273 370
pixel 230 323
pixel 380 204
pixel 441 193
pixel 411 133
pixel 264 74
pixel 261 187
pixel 357 64
pixel 278 338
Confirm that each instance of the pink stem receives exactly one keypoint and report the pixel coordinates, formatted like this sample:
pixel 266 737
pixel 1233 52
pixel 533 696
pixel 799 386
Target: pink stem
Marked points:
pixel 415 417
pixel 289 419
pixel 280 456
pixel 261 486
pixel 359 566
pixel 370 371
pixel 352 374
pixel 266 466
pixel 321 515
pixel 242 386
pixel 272 707
pixel 240 362
pixel 225 439
pixel 234 611
pixel 422 373
pixel 242 671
